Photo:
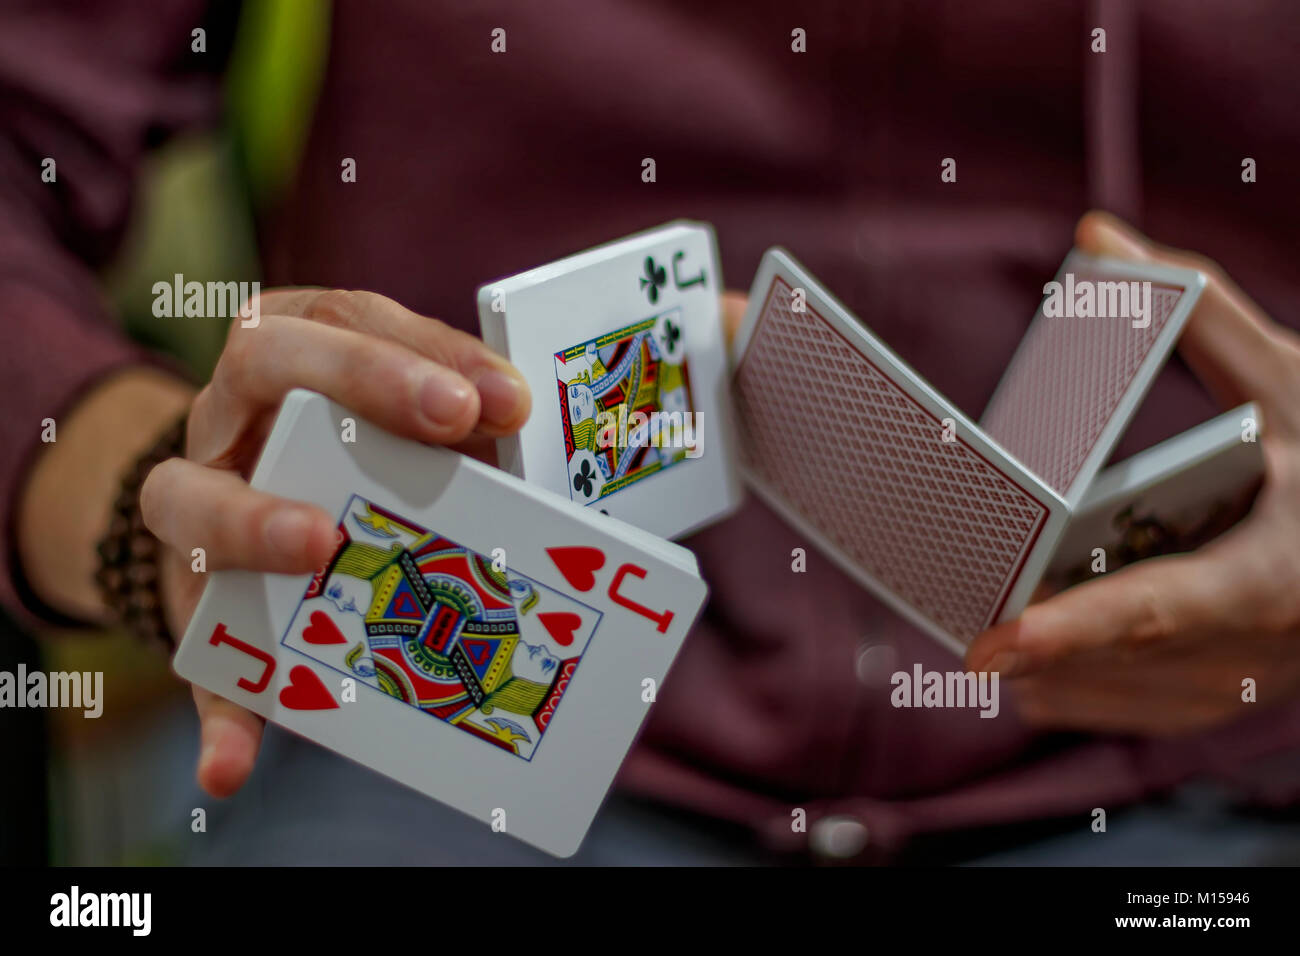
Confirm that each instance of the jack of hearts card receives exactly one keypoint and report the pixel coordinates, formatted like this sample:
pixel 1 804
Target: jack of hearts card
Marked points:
pixel 480 639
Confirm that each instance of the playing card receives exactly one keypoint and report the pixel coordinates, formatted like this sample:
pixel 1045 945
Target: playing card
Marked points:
pixel 480 639
pixel 1170 498
pixel 890 479
pixel 955 525
pixel 437 626
pixel 1081 371
pixel 622 347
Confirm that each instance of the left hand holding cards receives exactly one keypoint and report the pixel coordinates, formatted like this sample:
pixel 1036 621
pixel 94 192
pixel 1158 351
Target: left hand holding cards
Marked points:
pixel 414 376
pixel 1171 644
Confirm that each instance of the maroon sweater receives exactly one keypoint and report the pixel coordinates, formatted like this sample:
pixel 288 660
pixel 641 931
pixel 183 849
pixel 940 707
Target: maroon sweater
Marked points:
pixel 473 165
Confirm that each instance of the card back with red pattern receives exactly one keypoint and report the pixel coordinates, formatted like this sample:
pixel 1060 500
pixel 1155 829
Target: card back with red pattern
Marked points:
pixel 886 476
pixel 1102 333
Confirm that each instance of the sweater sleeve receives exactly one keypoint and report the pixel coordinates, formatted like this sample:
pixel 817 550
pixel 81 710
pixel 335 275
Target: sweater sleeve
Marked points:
pixel 86 89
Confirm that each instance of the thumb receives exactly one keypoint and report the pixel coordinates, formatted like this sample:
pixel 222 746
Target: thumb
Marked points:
pixel 231 737
pixel 1229 342
pixel 733 313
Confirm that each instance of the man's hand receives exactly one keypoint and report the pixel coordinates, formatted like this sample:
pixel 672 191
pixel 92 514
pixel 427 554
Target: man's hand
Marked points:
pixel 1163 646
pixel 733 313
pixel 409 374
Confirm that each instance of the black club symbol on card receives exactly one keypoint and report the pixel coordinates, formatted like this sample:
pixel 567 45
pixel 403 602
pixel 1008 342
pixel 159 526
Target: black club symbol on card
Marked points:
pixel 672 332
pixel 654 279
pixel 584 480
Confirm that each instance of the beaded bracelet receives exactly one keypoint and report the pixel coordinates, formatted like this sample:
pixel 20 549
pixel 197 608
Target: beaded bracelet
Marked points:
pixel 128 575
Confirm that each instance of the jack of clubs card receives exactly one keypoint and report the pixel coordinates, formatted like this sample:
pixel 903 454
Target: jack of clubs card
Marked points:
pixel 625 401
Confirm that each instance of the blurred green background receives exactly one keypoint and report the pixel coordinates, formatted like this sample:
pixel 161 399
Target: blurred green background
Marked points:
pixel 202 193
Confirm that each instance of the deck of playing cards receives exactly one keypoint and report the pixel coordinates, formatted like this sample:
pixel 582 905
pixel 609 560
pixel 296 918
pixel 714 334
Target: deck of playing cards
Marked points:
pixel 955 524
pixel 484 641
pixel 495 640
pixel 622 347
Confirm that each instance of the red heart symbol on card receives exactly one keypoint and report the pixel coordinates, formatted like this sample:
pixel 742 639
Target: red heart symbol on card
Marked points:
pixel 578 565
pixel 322 630
pixel 561 625
pixel 305 691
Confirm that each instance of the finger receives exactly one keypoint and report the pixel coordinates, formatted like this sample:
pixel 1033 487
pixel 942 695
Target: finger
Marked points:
pixel 1051 701
pixel 1042 592
pixel 733 313
pixel 1161 600
pixel 230 737
pixel 504 398
pixel 1159 691
pixel 403 392
pixel 1152 703
pixel 1233 347
pixel 187 505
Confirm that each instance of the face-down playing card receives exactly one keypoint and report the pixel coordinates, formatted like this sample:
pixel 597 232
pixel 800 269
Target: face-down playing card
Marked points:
pixel 1101 334
pixel 891 480
pixel 479 639
pixel 622 347
pixel 951 524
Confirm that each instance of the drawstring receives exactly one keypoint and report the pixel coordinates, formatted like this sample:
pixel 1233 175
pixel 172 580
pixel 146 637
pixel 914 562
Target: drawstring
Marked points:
pixel 1110 106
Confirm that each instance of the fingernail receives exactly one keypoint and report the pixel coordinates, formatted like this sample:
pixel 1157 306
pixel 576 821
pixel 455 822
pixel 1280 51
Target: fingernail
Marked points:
pixel 286 530
pixel 1006 663
pixel 206 754
pixel 501 396
pixel 443 397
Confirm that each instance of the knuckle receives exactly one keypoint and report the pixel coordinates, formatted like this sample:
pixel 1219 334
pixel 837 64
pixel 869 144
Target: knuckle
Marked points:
pixel 1214 272
pixel 464 352
pixel 1154 620
pixel 243 529
pixel 441 331
pixel 276 296
pixel 460 342
pixel 235 357
pixel 337 307
pixel 1265 588
pixel 439 334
